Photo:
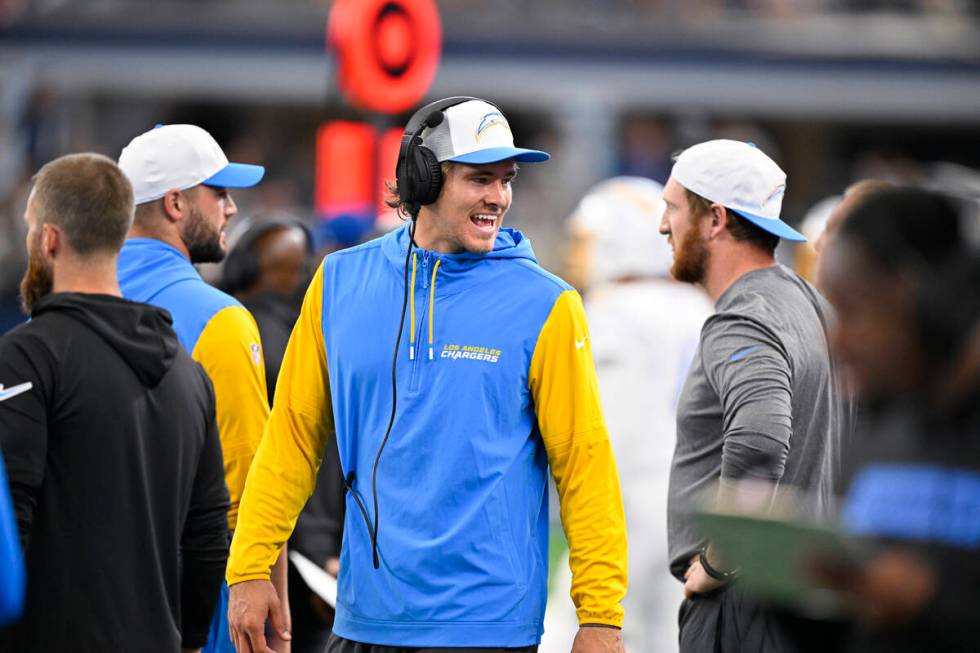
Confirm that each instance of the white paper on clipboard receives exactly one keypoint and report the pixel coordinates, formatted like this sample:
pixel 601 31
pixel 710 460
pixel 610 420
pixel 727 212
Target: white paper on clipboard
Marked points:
pixel 319 581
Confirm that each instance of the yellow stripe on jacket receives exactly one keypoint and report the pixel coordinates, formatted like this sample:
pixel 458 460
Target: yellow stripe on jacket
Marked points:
pixel 230 352
pixel 566 398
pixel 283 473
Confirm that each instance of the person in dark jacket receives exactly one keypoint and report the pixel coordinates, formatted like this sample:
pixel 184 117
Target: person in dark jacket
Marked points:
pixel 111 444
pixel 268 270
pixel 903 275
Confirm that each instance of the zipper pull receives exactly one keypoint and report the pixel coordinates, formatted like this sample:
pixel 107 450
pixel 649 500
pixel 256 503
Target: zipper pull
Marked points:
pixel 425 269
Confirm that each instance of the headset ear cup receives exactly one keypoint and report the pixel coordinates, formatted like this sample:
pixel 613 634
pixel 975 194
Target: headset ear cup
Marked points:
pixel 422 177
pixel 402 177
pixel 240 269
pixel 431 182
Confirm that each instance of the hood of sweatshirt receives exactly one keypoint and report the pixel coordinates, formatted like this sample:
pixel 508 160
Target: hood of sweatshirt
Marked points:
pixel 454 269
pixel 141 334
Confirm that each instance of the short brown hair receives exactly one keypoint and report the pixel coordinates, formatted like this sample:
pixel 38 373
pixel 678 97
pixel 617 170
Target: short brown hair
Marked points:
pixel 866 188
pixel 854 196
pixel 741 229
pixel 89 198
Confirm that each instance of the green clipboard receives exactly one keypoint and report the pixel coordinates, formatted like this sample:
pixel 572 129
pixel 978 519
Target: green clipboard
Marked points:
pixel 772 558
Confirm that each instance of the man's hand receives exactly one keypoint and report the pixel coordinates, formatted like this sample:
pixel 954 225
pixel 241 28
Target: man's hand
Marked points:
pixel 597 639
pixel 697 581
pixel 893 589
pixel 250 603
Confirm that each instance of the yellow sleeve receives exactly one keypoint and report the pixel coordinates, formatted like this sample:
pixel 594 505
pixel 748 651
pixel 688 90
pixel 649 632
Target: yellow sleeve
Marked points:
pixel 566 399
pixel 283 473
pixel 230 352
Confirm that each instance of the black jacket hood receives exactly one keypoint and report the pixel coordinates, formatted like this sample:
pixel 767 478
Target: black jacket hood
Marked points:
pixel 142 334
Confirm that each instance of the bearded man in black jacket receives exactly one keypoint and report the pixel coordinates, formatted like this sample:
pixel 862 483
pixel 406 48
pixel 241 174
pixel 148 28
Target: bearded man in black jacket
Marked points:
pixel 108 430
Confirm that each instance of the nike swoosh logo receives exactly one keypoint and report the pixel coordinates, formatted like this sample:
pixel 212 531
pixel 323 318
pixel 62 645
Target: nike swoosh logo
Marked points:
pixel 742 353
pixel 14 391
pixel 580 343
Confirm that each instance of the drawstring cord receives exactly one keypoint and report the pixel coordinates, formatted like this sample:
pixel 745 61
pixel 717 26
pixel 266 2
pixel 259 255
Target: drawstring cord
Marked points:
pixel 432 305
pixel 411 336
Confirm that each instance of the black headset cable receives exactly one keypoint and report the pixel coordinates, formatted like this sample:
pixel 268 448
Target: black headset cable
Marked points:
pixel 394 403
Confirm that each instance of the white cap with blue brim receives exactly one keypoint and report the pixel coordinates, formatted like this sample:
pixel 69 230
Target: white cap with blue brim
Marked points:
pixel 740 177
pixel 180 157
pixel 477 133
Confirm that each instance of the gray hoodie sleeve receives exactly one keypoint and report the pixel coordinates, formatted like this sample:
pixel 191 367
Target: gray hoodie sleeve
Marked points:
pixel 749 369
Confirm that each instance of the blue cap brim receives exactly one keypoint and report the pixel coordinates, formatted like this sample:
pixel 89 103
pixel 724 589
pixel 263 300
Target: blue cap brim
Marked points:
pixel 497 154
pixel 236 175
pixel 775 227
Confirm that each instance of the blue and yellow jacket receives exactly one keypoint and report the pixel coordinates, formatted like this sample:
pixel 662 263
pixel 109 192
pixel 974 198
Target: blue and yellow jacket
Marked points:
pixel 495 382
pixel 220 334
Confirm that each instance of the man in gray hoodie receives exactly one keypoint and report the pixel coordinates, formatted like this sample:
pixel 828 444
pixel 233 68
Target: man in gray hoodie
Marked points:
pixel 761 400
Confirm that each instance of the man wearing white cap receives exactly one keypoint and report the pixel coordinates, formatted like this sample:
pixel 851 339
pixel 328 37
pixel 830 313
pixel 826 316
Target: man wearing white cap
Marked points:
pixel 621 264
pixel 761 400
pixel 181 179
pixel 445 441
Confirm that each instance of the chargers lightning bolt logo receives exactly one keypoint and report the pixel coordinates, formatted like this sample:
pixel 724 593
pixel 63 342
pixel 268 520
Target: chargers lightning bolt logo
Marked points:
pixel 491 119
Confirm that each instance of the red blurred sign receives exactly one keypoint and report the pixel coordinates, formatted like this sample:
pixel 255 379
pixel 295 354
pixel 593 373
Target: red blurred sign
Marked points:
pixel 391 141
pixel 345 168
pixel 387 51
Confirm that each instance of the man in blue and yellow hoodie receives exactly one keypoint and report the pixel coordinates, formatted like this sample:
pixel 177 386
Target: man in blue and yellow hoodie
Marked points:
pixel 181 178
pixel 445 541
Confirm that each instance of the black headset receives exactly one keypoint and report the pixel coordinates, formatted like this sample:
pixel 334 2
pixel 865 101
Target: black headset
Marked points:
pixel 418 172
pixel 241 267
pixel 419 178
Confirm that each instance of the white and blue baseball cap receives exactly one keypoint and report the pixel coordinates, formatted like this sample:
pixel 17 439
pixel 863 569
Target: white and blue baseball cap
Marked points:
pixel 181 157
pixel 476 132
pixel 740 177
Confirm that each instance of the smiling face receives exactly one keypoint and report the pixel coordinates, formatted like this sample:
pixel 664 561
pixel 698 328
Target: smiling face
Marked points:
pixel 470 209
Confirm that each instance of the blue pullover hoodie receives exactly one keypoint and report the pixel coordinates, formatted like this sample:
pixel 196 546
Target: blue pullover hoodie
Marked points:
pixel 494 379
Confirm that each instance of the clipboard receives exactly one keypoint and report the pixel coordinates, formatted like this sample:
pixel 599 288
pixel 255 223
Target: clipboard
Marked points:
pixel 772 557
